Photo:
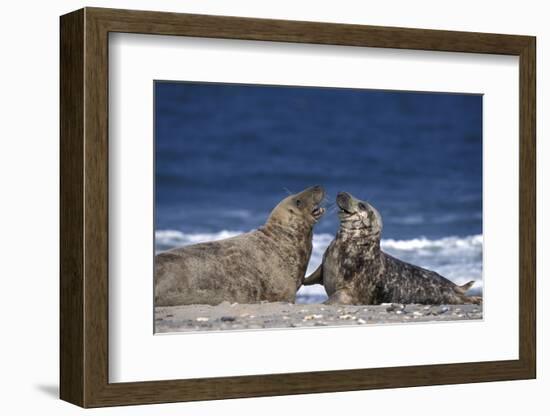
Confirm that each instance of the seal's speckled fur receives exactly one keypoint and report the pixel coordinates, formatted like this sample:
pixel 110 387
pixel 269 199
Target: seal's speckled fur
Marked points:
pixel 267 264
pixel 356 271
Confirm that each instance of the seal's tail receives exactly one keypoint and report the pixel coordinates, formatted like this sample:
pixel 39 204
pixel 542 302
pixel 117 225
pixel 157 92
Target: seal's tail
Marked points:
pixel 464 288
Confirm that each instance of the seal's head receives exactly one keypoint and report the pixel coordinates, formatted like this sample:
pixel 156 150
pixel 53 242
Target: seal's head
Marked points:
pixel 301 208
pixel 358 215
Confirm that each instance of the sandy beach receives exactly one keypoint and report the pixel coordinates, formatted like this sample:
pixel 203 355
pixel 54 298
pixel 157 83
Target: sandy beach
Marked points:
pixel 226 316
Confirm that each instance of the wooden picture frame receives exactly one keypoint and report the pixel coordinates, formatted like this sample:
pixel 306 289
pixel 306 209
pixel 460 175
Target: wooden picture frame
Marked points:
pixel 84 207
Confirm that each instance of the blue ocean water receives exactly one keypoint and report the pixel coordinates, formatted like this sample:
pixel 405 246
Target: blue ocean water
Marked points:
pixel 226 154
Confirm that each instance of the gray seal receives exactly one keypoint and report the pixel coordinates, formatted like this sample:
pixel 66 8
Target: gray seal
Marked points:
pixel 356 271
pixel 267 264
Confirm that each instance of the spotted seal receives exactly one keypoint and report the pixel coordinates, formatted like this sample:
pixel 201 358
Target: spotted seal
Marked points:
pixel 267 264
pixel 356 271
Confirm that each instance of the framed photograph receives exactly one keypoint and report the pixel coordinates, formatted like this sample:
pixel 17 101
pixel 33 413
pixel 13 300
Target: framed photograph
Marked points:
pixel 255 207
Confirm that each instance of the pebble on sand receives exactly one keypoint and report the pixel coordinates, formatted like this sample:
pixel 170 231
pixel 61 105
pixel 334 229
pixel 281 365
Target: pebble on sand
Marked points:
pixel 227 316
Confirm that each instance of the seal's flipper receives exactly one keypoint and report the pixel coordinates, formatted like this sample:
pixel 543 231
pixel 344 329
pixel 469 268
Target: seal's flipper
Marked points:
pixel 315 278
pixel 464 288
pixel 340 297
pixel 474 300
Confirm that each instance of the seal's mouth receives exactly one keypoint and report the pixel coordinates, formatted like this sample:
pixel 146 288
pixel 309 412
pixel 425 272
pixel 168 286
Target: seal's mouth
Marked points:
pixel 344 202
pixel 317 212
pixel 345 215
pixel 345 211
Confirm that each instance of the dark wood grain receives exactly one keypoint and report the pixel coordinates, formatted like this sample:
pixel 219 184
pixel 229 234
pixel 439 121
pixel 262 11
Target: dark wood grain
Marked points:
pixel 527 208
pixel 84 207
pixel 225 27
pixel 71 100
pixel 96 208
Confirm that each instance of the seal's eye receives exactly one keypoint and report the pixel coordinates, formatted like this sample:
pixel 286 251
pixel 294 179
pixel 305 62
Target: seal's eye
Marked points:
pixel 298 203
pixel 362 206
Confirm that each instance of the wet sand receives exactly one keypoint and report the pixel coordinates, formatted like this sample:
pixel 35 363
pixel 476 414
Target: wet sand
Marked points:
pixel 226 316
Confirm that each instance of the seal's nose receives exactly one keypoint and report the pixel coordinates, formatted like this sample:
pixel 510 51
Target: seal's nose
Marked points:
pixel 343 197
pixel 317 191
pixel 343 200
